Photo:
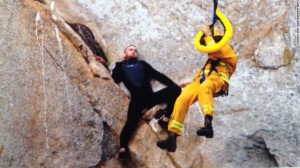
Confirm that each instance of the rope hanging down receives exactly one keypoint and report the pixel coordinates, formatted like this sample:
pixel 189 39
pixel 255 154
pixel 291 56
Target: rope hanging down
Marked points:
pixel 215 18
pixel 228 32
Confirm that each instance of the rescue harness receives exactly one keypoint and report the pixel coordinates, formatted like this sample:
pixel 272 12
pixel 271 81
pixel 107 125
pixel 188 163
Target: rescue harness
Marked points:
pixel 214 64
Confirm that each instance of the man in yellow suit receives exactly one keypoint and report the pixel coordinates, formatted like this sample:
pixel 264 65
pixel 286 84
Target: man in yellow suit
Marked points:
pixel 212 80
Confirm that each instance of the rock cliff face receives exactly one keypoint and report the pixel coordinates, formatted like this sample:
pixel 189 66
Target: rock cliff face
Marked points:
pixel 60 108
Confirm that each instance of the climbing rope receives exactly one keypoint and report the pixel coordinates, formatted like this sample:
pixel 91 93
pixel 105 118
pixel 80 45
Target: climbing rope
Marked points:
pixel 215 18
pixel 228 32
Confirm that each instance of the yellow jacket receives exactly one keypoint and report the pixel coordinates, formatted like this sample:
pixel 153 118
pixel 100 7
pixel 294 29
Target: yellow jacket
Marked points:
pixel 227 61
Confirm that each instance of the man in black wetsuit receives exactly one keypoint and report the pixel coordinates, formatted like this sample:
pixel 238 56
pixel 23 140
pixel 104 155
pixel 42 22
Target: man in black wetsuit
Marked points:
pixel 136 76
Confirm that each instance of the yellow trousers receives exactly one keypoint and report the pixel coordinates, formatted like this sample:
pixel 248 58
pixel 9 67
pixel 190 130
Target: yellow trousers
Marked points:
pixel 191 93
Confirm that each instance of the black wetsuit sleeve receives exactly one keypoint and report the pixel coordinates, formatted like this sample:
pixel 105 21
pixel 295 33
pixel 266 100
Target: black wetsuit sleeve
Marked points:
pixel 154 74
pixel 116 73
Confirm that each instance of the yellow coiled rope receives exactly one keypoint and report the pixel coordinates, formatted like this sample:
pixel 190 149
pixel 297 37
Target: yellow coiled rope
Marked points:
pixel 228 32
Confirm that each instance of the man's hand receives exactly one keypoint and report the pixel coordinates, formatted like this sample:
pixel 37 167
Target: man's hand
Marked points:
pixel 100 59
pixel 207 31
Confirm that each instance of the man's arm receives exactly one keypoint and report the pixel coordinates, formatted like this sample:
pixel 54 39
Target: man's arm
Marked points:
pixel 157 75
pixel 116 73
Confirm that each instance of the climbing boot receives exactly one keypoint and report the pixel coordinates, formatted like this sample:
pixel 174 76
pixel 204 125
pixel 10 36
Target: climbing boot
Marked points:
pixel 207 130
pixel 163 124
pixel 160 113
pixel 169 144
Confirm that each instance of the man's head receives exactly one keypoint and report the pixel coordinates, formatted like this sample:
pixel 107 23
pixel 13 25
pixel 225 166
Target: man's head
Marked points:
pixel 131 52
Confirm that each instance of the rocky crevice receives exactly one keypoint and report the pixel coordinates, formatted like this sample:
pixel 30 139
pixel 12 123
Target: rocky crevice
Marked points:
pixel 259 146
pixel 109 146
pixel 88 49
pixel 251 150
pixel 88 37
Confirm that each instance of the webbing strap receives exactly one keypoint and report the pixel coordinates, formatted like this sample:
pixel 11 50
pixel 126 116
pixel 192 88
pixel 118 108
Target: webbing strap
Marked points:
pixel 203 72
pixel 203 75
pixel 214 64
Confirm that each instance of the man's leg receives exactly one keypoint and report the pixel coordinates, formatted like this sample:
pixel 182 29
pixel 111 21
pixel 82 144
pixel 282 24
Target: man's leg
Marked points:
pixel 182 104
pixel 212 85
pixel 167 95
pixel 133 115
pixel 187 97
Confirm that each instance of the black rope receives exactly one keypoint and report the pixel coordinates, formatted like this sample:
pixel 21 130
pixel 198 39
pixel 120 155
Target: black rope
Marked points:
pixel 215 17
